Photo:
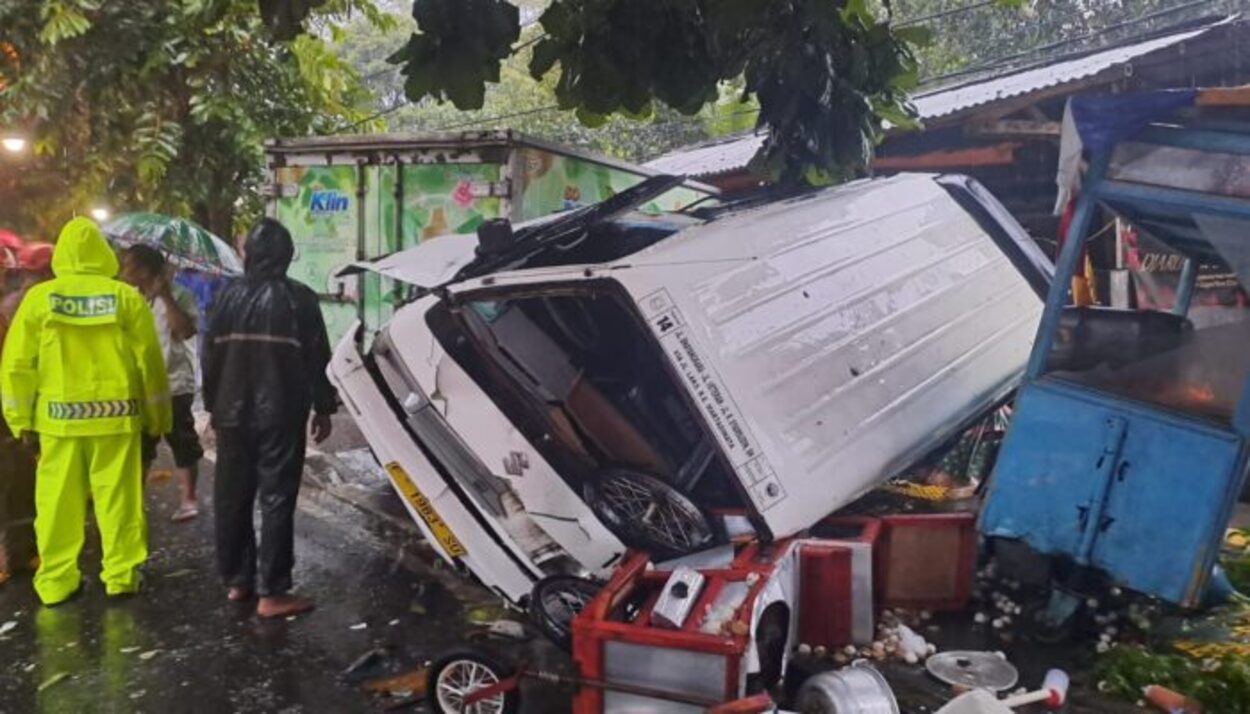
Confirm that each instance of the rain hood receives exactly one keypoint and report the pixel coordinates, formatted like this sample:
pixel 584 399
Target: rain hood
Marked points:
pixel 82 250
pixel 268 250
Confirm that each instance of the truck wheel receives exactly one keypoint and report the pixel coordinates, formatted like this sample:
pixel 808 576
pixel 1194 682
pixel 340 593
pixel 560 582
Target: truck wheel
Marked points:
pixel 649 514
pixel 463 671
pixel 555 601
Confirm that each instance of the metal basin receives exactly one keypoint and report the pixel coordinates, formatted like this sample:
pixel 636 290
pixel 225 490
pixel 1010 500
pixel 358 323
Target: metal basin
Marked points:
pixel 858 689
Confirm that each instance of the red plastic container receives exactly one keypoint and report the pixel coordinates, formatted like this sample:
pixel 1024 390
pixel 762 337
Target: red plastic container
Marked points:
pixel 615 640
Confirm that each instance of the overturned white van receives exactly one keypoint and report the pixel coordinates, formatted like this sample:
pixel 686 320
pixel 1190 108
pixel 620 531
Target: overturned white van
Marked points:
pixel 552 393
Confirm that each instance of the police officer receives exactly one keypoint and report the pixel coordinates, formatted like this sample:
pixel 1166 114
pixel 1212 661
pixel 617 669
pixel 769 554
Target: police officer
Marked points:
pixel 82 368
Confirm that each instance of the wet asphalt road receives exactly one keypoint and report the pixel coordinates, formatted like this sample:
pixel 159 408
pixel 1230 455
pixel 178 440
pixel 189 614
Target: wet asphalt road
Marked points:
pixel 182 647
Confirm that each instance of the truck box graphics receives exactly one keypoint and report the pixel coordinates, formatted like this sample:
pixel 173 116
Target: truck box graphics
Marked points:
pixel 351 198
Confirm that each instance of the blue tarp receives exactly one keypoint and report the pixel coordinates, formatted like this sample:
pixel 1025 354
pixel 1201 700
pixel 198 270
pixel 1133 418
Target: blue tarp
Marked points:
pixel 1103 120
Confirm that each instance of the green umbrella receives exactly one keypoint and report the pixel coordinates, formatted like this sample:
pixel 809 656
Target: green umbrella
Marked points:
pixel 187 244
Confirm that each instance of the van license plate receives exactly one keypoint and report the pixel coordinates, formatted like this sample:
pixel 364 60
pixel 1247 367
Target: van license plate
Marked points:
pixel 421 504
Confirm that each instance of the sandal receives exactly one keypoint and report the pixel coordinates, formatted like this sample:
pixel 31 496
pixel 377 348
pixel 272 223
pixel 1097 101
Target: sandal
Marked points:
pixel 185 513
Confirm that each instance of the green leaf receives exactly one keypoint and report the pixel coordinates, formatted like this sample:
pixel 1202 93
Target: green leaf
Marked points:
pixel 545 56
pixel 458 50
pixel 916 35
pixel 858 11
pixel 591 119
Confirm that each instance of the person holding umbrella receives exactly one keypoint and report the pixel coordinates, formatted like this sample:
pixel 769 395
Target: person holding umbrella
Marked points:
pixel 177 321
pixel 82 369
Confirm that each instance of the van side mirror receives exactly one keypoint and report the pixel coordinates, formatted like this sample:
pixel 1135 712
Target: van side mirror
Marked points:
pixel 494 237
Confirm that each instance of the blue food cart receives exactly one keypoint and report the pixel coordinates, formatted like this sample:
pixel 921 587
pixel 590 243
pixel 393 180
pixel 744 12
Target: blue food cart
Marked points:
pixel 1128 446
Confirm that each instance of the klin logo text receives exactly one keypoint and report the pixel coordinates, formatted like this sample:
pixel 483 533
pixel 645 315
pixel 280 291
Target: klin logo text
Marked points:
pixel 324 203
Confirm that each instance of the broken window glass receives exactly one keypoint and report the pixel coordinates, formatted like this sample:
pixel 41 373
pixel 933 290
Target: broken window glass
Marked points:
pixel 1181 342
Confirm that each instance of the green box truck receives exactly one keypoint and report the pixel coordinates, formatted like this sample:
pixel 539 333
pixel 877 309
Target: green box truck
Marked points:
pixel 352 198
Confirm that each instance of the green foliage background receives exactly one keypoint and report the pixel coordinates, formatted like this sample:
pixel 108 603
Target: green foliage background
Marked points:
pixel 164 104
pixel 161 105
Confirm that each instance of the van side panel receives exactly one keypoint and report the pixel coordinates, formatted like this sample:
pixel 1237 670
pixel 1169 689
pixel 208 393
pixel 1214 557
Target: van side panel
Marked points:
pixel 842 336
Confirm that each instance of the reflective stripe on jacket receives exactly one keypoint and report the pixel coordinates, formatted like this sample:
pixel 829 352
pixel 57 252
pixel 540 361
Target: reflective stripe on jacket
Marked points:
pixel 82 357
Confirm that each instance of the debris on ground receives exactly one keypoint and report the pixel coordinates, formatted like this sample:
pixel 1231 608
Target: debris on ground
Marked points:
pixel 510 629
pixel 8 627
pixel 149 655
pixel 974 670
pixel 365 660
pixel 359 626
pixel 53 681
pixel 485 614
pixel 404 685
pixel 1170 701
pixel 895 641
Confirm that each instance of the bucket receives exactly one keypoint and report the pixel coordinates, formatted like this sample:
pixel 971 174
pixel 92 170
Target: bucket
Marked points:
pixel 858 689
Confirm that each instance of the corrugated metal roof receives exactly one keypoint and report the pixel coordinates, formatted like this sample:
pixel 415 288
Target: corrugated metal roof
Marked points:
pixel 733 154
pixel 706 159
pixel 947 101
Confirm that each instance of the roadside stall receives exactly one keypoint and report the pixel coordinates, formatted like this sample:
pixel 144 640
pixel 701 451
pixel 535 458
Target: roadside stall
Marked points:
pixel 1128 447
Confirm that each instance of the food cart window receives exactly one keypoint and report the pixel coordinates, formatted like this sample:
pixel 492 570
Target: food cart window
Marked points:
pixel 1183 350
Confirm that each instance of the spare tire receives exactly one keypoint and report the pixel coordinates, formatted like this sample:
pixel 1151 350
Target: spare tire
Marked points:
pixel 555 601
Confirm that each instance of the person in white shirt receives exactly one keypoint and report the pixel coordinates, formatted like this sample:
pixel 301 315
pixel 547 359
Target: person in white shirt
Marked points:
pixel 177 322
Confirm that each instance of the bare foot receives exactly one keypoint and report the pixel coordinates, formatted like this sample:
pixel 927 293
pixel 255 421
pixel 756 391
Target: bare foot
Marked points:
pixel 239 594
pixel 283 606
pixel 185 512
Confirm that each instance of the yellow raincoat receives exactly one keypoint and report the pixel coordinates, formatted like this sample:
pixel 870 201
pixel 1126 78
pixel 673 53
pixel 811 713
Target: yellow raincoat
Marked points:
pixel 82 366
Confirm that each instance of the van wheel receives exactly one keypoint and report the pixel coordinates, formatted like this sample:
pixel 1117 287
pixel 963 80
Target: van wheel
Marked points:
pixel 649 514
pixel 555 601
pixel 463 671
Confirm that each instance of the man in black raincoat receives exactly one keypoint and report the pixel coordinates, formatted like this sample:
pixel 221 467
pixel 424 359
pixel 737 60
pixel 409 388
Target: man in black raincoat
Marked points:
pixel 264 369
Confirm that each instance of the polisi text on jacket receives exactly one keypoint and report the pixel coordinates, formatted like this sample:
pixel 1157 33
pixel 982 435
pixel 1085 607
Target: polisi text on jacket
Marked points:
pixel 83 305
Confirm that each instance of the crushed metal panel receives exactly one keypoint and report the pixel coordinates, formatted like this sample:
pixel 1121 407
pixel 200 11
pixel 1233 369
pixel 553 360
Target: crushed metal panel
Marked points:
pixel 391 444
pixel 550 517
pixel 539 506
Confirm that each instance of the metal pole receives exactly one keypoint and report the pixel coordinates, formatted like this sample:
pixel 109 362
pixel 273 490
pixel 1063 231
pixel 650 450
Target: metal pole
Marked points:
pixel 1185 289
pixel 1057 299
